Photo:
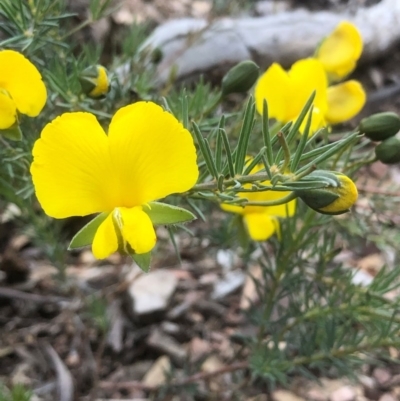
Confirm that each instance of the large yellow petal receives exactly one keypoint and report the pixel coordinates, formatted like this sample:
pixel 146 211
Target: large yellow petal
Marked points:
pixel 340 51
pixel 152 154
pixel 71 169
pixel 20 78
pixel 261 226
pixel 306 76
pixel 105 241
pixel 8 111
pixel 274 86
pixel 137 229
pixel 345 100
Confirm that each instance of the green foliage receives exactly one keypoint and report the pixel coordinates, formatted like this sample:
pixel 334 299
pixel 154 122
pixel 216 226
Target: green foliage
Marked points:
pixel 18 392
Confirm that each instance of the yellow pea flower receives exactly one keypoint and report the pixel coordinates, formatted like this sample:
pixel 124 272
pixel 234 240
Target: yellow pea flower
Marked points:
pixel 262 221
pixel 340 51
pixel 21 88
pixel 79 170
pixel 287 92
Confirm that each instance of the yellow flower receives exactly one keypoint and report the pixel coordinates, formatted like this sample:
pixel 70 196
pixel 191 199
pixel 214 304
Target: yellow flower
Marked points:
pixel 262 221
pixel 287 92
pixel 95 82
pixel 340 51
pixel 21 88
pixel 333 199
pixel 79 170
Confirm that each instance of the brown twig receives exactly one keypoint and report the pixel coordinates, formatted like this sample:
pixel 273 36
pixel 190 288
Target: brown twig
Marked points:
pixel 27 296
pixel 191 379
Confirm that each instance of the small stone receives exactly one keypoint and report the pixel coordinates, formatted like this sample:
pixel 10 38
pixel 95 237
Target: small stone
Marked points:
pixel 198 348
pixel 232 281
pixel 211 364
pixel 387 397
pixel 151 292
pixel 370 387
pixel 156 376
pixel 167 345
pixel 345 393
pixel 283 395
pixel 316 394
pixel 382 376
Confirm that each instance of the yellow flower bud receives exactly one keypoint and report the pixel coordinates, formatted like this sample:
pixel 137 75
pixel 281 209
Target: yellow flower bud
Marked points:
pixel 334 199
pixel 388 151
pixel 380 126
pixel 240 78
pixel 94 81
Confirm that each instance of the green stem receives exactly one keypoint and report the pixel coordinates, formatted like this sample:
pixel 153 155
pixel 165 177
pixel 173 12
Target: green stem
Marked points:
pixel 286 151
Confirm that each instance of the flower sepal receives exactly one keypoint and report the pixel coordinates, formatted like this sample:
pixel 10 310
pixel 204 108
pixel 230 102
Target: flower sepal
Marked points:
pixel 13 133
pixel 84 237
pixel 163 214
pixel 143 260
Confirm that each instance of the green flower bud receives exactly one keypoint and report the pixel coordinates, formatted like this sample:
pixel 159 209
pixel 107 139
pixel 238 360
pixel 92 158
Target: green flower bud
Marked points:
pixel 380 126
pixel 240 78
pixel 388 151
pixel 94 81
pixel 336 198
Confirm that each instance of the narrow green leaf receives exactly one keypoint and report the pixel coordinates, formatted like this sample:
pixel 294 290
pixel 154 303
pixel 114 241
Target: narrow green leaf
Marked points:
pixel 266 133
pixel 175 245
pixel 295 128
pixel 163 214
pixel 338 146
pixel 244 136
pixel 185 110
pixel 303 141
pixel 85 236
pixel 205 151
pixel 142 260
pixel 229 158
pixel 255 161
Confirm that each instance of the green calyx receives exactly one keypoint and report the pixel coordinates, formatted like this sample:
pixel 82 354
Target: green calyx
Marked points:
pixel 338 194
pixel 388 151
pixel 240 78
pixel 14 132
pixel 380 126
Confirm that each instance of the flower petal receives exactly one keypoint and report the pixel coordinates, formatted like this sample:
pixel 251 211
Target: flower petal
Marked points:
pixel 152 154
pixel 345 100
pixel 8 111
pixel 261 226
pixel 273 85
pixel 307 75
pixel 71 169
pixel 20 78
pixel 340 51
pixel 137 229
pixel 105 241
